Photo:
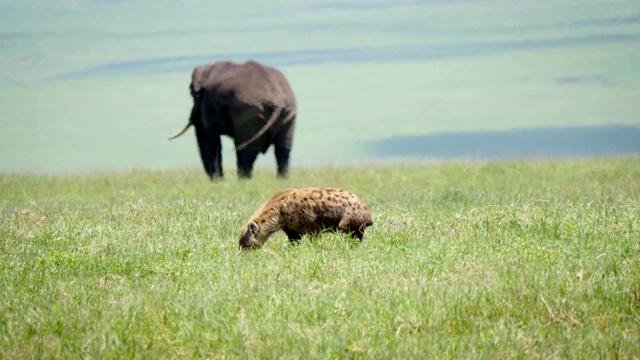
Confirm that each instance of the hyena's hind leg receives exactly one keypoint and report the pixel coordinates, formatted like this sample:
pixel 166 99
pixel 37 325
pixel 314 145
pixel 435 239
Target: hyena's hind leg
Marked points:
pixel 294 236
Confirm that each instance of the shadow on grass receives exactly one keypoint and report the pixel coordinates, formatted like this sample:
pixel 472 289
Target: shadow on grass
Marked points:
pixel 540 142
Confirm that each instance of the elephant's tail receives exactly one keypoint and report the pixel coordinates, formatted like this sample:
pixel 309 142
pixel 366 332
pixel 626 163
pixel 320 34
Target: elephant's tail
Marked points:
pixel 181 131
pixel 275 115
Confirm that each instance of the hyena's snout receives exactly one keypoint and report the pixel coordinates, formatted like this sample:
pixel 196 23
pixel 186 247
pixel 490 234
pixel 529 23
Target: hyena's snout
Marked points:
pixel 249 242
pixel 248 245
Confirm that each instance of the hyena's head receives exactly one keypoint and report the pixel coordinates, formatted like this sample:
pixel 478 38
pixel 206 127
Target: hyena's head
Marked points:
pixel 249 236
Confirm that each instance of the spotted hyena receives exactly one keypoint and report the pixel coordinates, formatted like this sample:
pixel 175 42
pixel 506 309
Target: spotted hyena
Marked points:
pixel 307 211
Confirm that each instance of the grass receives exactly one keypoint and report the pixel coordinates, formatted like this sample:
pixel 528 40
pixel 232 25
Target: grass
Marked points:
pixel 497 260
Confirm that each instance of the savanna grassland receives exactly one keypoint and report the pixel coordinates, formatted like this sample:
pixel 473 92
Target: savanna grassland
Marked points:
pixel 529 259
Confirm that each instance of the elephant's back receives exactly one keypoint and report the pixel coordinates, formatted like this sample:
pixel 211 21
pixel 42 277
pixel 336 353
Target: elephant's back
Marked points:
pixel 255 82
pixel 223 76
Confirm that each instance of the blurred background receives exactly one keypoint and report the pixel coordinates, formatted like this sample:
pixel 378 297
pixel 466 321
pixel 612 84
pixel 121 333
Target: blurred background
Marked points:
pixel 100 85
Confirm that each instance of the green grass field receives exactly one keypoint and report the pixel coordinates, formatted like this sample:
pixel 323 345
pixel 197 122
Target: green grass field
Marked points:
pixel 496 260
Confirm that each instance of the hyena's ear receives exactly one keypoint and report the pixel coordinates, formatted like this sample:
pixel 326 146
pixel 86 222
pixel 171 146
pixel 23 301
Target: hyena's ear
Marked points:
pixel 253 227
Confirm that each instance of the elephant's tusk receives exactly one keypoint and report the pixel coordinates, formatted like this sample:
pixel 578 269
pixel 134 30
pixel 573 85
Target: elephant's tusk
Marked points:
pixel 181 131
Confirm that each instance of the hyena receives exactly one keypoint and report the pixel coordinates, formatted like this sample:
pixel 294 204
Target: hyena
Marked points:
pixel 306 211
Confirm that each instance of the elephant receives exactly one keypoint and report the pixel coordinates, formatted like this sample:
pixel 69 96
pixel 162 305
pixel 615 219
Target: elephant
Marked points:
pixel 251 103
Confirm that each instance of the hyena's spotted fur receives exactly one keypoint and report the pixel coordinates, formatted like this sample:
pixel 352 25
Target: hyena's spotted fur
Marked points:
pixel 307 211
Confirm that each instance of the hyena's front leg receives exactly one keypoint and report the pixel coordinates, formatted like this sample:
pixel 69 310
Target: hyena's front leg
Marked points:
pixel 294 236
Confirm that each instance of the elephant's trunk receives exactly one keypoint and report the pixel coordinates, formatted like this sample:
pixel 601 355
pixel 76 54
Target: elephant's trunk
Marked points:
pixel 186 127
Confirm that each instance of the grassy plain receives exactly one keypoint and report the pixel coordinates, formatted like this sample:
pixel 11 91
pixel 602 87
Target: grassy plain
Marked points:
pixel 531 259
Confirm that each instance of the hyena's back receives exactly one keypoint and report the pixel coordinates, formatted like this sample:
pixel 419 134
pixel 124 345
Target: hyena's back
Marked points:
pixel 310 210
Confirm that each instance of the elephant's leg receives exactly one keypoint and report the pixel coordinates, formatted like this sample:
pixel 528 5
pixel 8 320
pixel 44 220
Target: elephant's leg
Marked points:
pixel 282 144
pixel 210 151
pixel 246 157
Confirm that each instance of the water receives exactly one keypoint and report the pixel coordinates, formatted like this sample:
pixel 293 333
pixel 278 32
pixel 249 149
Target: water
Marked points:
pixel 514 144
pixel 99 86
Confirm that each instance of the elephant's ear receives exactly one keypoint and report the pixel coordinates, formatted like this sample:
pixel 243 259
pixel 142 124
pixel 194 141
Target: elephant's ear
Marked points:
pixel 198 78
